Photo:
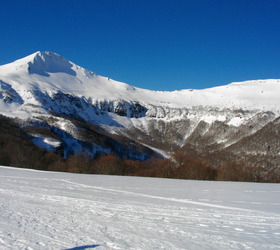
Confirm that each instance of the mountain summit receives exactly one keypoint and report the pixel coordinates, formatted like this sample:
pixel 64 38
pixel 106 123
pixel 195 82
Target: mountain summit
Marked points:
pixel 42 63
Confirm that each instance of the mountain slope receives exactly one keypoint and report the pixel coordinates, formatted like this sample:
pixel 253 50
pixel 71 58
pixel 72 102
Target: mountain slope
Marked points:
pixel 79 111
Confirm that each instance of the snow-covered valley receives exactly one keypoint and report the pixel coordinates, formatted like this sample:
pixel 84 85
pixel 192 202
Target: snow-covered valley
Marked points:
pixel 51 210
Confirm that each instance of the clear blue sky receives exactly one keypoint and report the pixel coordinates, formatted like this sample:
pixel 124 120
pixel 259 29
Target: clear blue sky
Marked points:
pixel 154 44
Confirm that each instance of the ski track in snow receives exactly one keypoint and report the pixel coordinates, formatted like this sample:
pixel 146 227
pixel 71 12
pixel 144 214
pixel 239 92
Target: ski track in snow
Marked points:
pixel 49 210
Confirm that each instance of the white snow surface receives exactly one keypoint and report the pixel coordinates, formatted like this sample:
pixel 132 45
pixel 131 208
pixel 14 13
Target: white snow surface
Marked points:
pixel 46 142
pixel 50 73
pixel 50 210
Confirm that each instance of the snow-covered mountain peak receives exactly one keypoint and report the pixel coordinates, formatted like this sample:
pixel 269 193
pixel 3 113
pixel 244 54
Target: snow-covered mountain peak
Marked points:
pixel 40 63
pixel 48 72
pixel 43 63
pixel 47 57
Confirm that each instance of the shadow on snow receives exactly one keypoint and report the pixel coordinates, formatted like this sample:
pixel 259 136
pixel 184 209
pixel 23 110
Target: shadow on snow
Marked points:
pixel 83 247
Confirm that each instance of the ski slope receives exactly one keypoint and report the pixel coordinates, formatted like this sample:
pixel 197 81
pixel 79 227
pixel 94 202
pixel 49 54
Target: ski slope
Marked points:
pixel 50 210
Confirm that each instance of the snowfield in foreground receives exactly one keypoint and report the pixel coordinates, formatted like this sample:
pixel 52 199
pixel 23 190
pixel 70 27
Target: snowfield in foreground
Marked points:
pixel 50 210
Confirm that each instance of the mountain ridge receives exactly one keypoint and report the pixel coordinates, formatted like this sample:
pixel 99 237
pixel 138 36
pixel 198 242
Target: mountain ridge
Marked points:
pixel 86 83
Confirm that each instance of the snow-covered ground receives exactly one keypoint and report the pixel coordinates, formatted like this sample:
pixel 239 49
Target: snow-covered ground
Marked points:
pixel 50 210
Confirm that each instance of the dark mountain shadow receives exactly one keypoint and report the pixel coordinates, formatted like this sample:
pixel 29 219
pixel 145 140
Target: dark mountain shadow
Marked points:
pixel 85 110
pixel 75 107
pixel 89 140
pixel 9 94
